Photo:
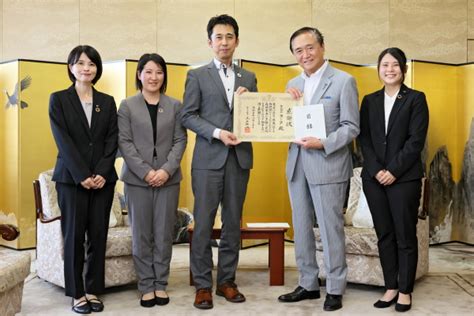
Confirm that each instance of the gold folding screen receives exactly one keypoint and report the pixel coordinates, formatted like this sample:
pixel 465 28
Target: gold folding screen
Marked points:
pixel 27 146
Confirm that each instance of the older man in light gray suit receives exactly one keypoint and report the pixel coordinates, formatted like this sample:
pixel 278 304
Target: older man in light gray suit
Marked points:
pixel 318 170
pixel 221 163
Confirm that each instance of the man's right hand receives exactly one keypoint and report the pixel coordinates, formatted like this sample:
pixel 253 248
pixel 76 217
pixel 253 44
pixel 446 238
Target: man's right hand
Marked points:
pixel 295 93
pixel 228 138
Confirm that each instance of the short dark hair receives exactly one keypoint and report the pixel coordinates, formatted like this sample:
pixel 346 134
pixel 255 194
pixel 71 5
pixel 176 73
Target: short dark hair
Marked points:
pixel 93 55
pixel 222 19
pixel 307 29
pixel 157 59
pixel 399 55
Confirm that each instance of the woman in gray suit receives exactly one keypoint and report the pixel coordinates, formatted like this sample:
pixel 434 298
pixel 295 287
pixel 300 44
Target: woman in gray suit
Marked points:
pixel 152 142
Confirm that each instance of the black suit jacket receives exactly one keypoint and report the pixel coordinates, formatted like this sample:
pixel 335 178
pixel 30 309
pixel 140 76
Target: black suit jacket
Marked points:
pixel 83 151
pixel 400 150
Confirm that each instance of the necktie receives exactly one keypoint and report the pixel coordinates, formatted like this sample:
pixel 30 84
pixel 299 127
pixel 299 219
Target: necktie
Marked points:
pixel 224 68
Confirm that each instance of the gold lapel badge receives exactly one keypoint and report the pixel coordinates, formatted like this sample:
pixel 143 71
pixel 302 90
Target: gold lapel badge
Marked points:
pixel 97 108
pixel 239 75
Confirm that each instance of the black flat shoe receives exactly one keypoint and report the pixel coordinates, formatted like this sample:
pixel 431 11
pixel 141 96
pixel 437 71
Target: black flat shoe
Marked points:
pixel 81 307
pixel 147 303
pixel 299 294
pixel 96 305
pixel 403 307
pixel 333 302
pixel 162 300
pixel 385 304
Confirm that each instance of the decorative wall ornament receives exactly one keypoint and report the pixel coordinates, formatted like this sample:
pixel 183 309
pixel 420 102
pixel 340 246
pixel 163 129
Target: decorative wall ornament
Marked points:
pixel 12 100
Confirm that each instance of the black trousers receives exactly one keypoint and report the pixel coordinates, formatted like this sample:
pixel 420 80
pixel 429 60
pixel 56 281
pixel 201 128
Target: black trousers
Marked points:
pixel 394 209
pixel 84 212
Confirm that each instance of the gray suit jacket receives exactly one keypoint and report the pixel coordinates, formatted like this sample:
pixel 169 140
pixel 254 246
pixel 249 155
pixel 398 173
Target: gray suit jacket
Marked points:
pixel 337 91
pixel 136 139
pixel 206 108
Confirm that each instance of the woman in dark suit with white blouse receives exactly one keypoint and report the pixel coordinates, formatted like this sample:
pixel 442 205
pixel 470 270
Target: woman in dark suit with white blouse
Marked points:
pixel 393 128
pixel 84 125
pixel 152 143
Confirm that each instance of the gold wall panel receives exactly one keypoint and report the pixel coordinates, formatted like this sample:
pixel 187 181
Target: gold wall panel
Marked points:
pixel 355 31
pixel 466 108
pixel 119 28
pixel 1 30
pixel 443 102
pixel 181 28
pixel 432 30
pixel 9 151
pixel 266 27
pixel 28 147
pixel 45 30
pixel 267 195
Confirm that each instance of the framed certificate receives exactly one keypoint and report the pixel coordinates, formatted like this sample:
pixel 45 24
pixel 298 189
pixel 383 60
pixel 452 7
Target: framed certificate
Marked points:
pixel 264 117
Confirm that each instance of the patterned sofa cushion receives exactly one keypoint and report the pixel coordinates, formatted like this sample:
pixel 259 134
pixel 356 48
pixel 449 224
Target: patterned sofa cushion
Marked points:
pixel 14 268
pixel 359 241
pixel 119 242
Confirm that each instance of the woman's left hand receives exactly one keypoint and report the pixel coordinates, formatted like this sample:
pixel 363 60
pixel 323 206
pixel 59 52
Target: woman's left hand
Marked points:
pixel 387 178
pixel 99 181
pixel 161 176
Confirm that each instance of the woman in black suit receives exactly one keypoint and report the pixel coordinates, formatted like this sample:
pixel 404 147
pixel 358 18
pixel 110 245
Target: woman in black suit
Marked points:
pixel 84 125
pixel 393 127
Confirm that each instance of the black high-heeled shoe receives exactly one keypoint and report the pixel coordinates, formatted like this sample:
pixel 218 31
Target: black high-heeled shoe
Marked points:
pixel 147 303
pixel 96 304
pixel 403 307
pixel 385 304
pixel 162 300
pixel 81 307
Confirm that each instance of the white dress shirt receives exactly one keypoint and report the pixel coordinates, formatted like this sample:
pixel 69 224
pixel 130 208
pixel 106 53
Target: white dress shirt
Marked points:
pixel 311 83
pixel 227 75
pixel 388 106
pixel 87 107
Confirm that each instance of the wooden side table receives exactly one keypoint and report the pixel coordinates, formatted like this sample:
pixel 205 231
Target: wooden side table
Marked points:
pixel 276 249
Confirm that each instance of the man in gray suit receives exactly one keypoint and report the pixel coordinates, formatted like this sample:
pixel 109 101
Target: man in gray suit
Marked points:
pixel 318 170
pixel 221 163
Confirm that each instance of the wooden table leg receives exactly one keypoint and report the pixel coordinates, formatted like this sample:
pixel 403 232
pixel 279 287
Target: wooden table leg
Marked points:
pixel 277 258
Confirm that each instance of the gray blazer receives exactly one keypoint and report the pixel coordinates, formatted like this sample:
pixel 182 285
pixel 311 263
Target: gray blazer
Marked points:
pixel 136 139
pixel 206 108
pixel 337 91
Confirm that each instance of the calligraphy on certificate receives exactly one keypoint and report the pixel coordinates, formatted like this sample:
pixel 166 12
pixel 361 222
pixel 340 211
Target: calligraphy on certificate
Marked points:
pixel 264 117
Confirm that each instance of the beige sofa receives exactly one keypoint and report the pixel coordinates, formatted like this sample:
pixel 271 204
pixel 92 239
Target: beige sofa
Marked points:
pixel 119 269
pixel 14 268
pixel 361 242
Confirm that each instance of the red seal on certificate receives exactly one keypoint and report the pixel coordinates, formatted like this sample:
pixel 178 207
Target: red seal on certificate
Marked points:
pixel 247 130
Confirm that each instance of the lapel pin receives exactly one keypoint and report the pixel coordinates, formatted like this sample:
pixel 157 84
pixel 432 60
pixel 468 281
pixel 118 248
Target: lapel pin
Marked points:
pixel 399 96
pixel 160 110
pixel 97 108
pixel 239 75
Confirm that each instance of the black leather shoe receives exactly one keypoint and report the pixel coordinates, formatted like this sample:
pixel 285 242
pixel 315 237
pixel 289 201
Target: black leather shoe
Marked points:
pixel 332 302
pixel 162 300
pixel 385 304
pixel 81 307
pixel 299 294
pixel 403 307
pixel 147 303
